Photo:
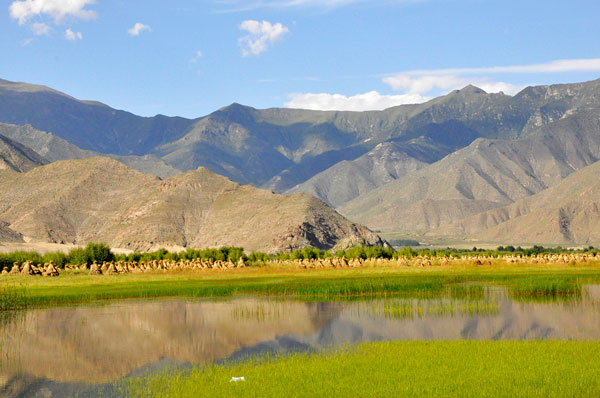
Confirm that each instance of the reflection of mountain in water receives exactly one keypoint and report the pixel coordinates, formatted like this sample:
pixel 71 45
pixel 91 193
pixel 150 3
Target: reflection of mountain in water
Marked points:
pixel 55 349
pixel 99 344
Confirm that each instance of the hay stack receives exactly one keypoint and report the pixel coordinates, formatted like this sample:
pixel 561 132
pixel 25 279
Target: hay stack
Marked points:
pixel 50 270
pixel 94 270
pixel 15 269
pixel 110 270
pixel 27 269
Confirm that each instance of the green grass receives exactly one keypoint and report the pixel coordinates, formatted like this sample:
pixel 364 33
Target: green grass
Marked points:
pixel 13 298
pixel 398 369
pixel 521 281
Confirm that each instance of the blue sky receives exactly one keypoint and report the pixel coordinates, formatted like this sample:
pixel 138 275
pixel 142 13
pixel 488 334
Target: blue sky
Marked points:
pixel 189 58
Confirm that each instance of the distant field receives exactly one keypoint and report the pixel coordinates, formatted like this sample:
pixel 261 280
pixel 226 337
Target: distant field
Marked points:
pixel 440 242
pixel 42 248
pixel 520 280
pixel 397 369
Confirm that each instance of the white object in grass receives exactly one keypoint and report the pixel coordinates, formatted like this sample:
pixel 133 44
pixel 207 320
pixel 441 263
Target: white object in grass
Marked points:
pixel 236 379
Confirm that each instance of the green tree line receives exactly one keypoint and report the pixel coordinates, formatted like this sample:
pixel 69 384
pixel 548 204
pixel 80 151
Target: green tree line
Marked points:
pixel 100 252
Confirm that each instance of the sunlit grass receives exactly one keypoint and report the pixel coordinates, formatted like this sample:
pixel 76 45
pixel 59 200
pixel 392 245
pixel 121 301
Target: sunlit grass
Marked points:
pixel 398 369
pixel 521 281
pixel 13 298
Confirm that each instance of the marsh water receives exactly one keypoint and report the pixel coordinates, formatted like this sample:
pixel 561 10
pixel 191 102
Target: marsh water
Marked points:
pixel 73 351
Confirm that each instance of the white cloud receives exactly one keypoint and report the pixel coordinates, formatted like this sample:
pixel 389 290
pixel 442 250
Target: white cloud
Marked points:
pixel 260 35
pixel 418 86
pixel 40 29
pixel 361 102
pixel 425 80
pixel 24 10
pixel 422 84
pixel 244 5
pixel 196 57
pixel 556 66
pixel 139 28
pixel 70 35
pixel 499 87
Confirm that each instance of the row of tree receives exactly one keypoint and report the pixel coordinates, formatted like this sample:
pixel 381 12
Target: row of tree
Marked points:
pixel 100 252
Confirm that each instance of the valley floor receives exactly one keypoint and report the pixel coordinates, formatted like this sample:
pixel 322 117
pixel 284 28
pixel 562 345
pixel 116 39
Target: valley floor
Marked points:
pixel 466 368
pixel 524 281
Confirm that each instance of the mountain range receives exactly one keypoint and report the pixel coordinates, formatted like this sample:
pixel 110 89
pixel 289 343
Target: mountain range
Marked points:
pixel 442 168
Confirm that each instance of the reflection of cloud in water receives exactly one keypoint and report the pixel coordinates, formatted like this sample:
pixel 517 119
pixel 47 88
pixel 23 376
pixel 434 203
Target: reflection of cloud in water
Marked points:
pixel 104 343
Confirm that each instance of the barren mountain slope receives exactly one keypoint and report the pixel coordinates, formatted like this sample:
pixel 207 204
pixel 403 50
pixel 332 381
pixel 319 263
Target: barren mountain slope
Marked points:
pixel 17 157
pixel 487 174
pixel 567 213
pixel 99 199
pixel 349 179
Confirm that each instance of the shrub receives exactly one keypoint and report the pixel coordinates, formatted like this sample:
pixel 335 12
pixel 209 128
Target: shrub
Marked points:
pixel 59 259
pixel 7 259
pixel 98 252
pixel 256 257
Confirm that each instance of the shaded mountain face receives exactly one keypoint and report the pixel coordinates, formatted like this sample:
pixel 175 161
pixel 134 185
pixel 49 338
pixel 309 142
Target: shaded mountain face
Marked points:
pixel 17 157
pixel 386 162
pixel 87 124
pixel 99 199
pixel 53 148
pixel 8 235
pixel 281 148
pixel 485 175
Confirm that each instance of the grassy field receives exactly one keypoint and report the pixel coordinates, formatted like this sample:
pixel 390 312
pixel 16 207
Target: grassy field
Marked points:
pixel 521 281
pixel 398 369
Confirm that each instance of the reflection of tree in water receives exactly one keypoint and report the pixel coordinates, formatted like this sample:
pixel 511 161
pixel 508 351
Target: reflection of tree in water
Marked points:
pixel 319 313
pixel 404 309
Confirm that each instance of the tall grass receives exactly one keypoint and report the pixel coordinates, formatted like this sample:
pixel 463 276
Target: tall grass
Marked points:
pixel 13 299
pixel 334 284
pixel 546 289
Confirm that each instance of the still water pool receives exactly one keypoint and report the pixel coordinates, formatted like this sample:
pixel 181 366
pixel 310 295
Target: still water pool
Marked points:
pixel 73 351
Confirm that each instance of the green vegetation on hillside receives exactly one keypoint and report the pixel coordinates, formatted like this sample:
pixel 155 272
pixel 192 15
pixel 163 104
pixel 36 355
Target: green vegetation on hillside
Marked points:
pixel 398 369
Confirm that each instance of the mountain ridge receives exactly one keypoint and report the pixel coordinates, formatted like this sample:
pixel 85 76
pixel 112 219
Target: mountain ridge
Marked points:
pixel 487 174
pixel 100 199
pixel 278 148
